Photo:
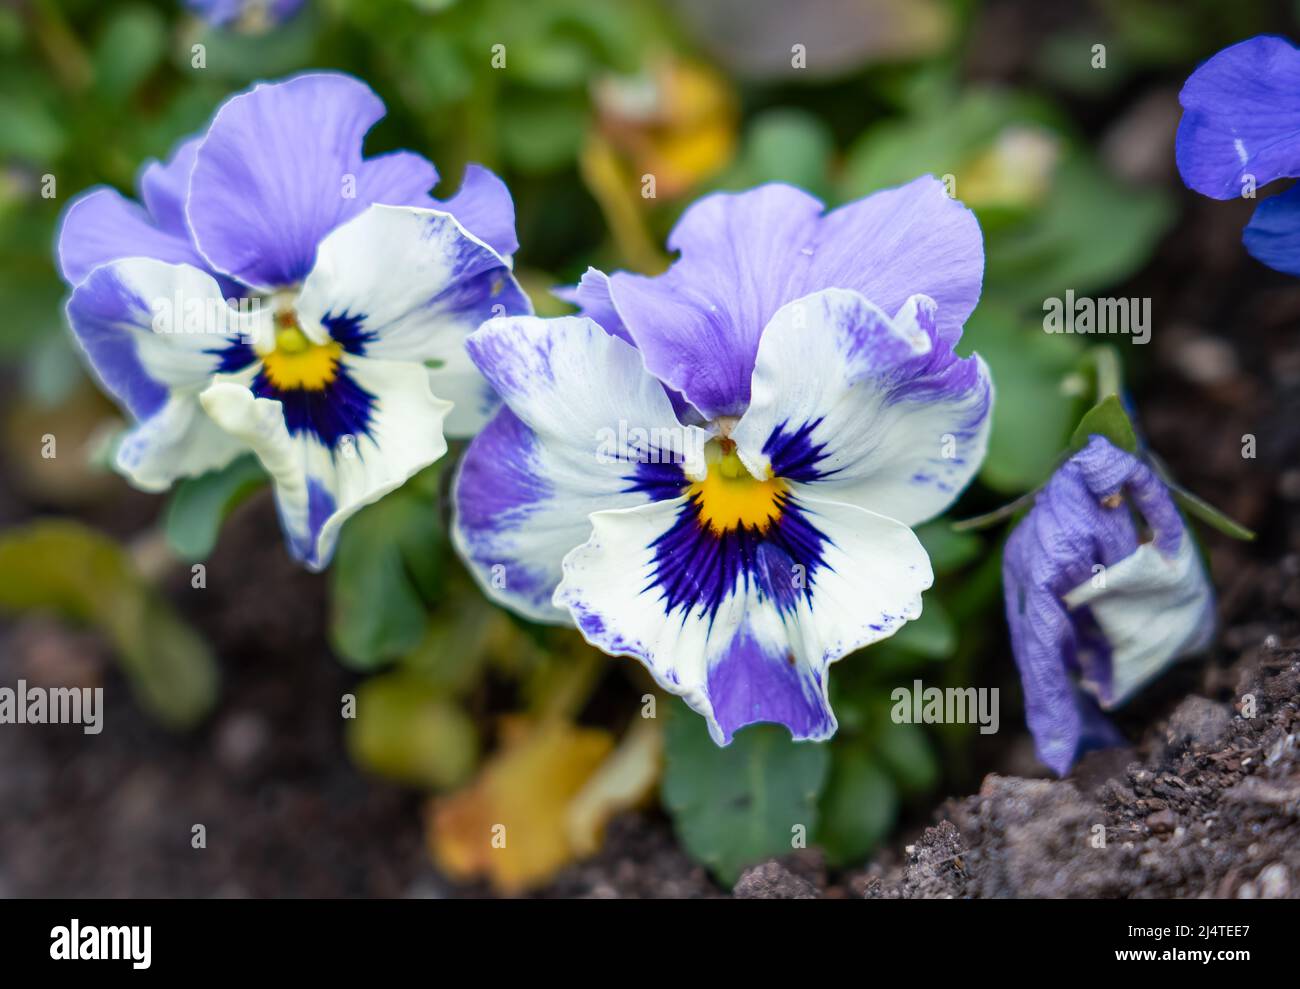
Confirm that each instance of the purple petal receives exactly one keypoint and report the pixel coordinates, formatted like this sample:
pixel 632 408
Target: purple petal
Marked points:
pixel 912 240
pixel 165 185
pixel 1054 550
pixel 592 297
pixel 1273 234
pixel 129 317
pixel 1241 117
pixel 745 255
pixel 281 167
pixel 698 324
pixel 751 684
pixel 223 13
pixel 484 208
pixel 101 225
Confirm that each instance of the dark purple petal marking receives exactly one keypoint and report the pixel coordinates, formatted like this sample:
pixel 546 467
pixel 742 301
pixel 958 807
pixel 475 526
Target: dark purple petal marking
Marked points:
pixel 696 567
pixel 749 684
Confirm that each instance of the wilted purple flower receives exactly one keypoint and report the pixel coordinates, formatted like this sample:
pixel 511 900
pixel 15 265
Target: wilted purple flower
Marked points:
pixel 1096 608
pixel 248 15
pixel 716 470
pixel 1241 130
pixel 262 299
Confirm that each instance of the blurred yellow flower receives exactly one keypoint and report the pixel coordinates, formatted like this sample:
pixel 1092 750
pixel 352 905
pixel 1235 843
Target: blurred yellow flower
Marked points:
pixel 676 121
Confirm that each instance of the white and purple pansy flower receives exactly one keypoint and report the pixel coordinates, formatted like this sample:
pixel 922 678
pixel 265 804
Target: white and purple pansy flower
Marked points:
pixel 1241 130
pixel 280 292
pixel 716 471
pixel 245 15
pixel 1098 601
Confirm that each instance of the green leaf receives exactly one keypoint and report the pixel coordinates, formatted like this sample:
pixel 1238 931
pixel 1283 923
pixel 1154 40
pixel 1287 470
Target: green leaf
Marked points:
pixel 858 808
pixel 77 573
pixel 948 550
pixel 1107 419
pixel 201 504
pixel 408 730
pixel 541 132
pixel 905 750
pixel 740 804
pixel 129 49
pixel 385 571
pixel 1199 508
pixel 932 635
pixel 1037 398
pixel 786 145
pixel 1090 232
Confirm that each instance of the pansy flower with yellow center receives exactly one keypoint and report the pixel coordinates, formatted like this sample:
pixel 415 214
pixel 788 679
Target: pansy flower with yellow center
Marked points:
pixel 716 471
pixel 279 292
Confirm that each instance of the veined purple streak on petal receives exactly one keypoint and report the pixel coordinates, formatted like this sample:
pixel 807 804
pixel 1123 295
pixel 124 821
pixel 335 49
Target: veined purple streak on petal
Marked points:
pixel 745 255
pixel 751 684
pixel 341 408
pixel 98 306
pixel 1077 523
pixel 696 568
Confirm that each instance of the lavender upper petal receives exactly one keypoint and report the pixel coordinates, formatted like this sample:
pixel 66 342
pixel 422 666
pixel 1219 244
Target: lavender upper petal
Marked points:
pixel 743 256
pixel 281 166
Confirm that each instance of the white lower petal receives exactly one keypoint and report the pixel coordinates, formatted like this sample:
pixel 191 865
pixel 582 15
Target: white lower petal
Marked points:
pixel 178 441
pixel 1151 609
pixel 875 409
pixel 318 489
pixel 763 652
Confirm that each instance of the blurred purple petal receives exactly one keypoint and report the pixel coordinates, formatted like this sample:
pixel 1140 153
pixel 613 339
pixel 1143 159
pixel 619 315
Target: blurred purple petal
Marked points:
pixel 1241 117
pixel 1273 234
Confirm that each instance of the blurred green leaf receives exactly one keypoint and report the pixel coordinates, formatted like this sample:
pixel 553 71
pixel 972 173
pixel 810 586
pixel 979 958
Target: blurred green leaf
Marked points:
pixel 858 807
pixel 238 57
pixel 199 505
pixel 943 140
pixel 1211 516
pixel 73 571
pixel 408 730
pixel 542 132
pixel 905 751
pixel 129 49
pixel 948 550
pixel 29 129
pixel 784 145
pixel 740 804
pixel 1090 232
pixel 1107 419
pixel 932 635
pixel 1036 400
pixel 385 570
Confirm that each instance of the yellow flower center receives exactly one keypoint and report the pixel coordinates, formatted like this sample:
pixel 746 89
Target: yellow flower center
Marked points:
pixel 297 362
pixel 730 497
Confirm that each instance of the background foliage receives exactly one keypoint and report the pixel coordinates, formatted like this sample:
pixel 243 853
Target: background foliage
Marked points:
pixel 496 719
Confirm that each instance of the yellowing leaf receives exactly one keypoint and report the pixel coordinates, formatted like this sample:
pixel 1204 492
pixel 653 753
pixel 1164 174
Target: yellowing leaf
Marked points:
pixel 511 823
pixel 623 781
